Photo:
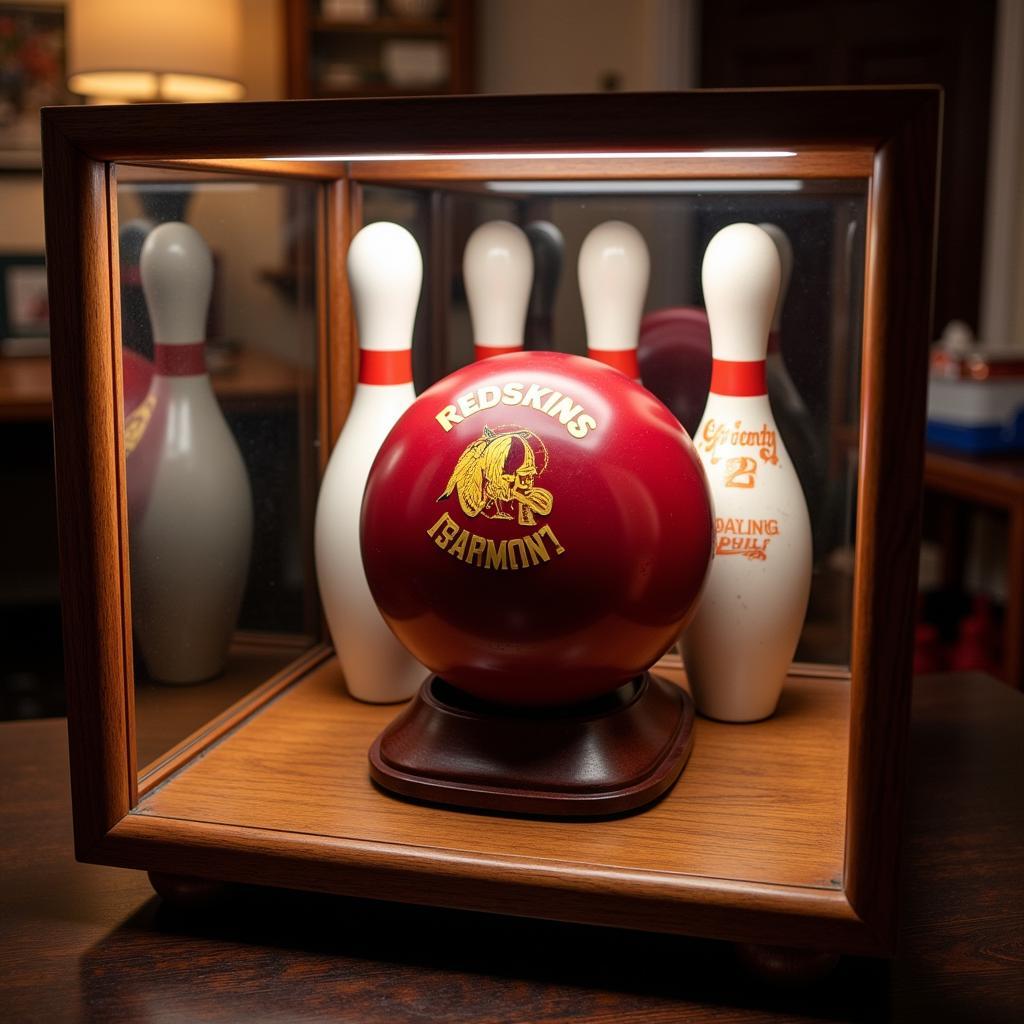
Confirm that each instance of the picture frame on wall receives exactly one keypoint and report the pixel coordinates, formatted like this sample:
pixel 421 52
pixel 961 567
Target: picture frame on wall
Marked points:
pixel 32 76
pixel 24 306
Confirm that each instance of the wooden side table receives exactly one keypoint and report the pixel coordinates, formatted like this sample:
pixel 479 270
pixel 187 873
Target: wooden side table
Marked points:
pixel 24 389
pixel 990 483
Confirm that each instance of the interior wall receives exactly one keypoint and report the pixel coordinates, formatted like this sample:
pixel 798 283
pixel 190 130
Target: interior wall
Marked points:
pixel 262 71
pixel 534 46
pixel 21 213
pixel 262 56
pixel 523 46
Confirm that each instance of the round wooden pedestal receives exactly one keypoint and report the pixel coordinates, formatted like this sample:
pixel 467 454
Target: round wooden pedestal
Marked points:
pixel 611 755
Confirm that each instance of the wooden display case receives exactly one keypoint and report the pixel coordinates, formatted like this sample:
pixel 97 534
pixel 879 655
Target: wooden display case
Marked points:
pixel 781 832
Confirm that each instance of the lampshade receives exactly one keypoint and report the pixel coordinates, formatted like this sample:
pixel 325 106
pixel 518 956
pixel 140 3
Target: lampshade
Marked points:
pixel 154 49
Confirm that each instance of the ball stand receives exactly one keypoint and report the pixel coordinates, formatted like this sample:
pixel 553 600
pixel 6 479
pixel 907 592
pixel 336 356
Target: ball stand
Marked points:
pixel 607 756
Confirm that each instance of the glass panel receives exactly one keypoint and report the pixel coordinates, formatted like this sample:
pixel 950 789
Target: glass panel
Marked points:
pixel 814 383
pixel 218 323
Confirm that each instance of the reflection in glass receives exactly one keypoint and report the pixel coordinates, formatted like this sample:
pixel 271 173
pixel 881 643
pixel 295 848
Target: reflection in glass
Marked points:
pixel 218 329
pixel 814 365
pixel 189 496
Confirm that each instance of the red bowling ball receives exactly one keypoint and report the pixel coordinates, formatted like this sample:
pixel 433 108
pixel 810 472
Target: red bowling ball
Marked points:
pixel 536 529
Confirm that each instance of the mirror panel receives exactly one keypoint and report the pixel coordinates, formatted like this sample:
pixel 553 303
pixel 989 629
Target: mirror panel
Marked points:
pixel 218 330
pixel 813 377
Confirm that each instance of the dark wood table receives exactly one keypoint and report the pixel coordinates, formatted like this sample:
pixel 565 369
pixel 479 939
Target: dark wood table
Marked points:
pixel 87 943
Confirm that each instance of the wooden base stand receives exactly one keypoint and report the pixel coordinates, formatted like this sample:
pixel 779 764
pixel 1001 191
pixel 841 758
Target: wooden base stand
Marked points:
pixel 611 755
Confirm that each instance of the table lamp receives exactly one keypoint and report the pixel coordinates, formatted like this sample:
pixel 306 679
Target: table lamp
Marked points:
pixel 126 51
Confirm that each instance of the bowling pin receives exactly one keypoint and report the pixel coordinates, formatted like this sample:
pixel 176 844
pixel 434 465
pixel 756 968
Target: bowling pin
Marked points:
pixel 548 247
pixel 190 530
pixel 497 269
pixel 739 646
pixel 385 272
pixel 791 413
pixel 614 269
pixel 785 250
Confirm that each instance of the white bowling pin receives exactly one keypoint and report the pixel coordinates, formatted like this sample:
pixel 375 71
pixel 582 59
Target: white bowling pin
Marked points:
pixel 614 269
pixel 497 269
pixel 739 646
pixel 385 272
pixel 191 535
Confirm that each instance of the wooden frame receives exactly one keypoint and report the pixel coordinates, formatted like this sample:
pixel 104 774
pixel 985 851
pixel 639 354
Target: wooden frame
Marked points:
pixel 888 138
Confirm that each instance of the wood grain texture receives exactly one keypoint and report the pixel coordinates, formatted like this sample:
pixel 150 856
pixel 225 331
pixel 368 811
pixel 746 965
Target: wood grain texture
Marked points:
pixel 182 170
pixel 854 162
pixel 86 943
pixel 90 492
pixel 964 779
pixel 899 279
pixel 517 886
pixel 755 823
pixel 726 118
pixel 176 723
pixel 339 354
pixel 899 126
pixel 301 766
pixel 116 392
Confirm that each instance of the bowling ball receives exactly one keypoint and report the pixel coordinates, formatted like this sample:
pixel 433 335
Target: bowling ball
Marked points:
pixel 137 374
pixel 536 529
pixel 674 352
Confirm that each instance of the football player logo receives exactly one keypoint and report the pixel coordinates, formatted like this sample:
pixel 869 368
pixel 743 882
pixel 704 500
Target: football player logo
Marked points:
pixel 496 476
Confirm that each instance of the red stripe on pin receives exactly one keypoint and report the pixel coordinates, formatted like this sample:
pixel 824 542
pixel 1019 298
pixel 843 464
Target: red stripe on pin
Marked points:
pixel 378 366
pixel 623 360
pixel 738 379
pixel 486 351
pixel 180 360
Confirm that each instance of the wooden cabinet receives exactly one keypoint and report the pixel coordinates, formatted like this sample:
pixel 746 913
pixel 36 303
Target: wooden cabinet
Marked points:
pixel 390 53
pixel 852 42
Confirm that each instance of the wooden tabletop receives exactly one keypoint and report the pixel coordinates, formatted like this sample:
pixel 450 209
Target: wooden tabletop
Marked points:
pixel 250 376
pixel 24 388
pixel 989 480
pixel 79 942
